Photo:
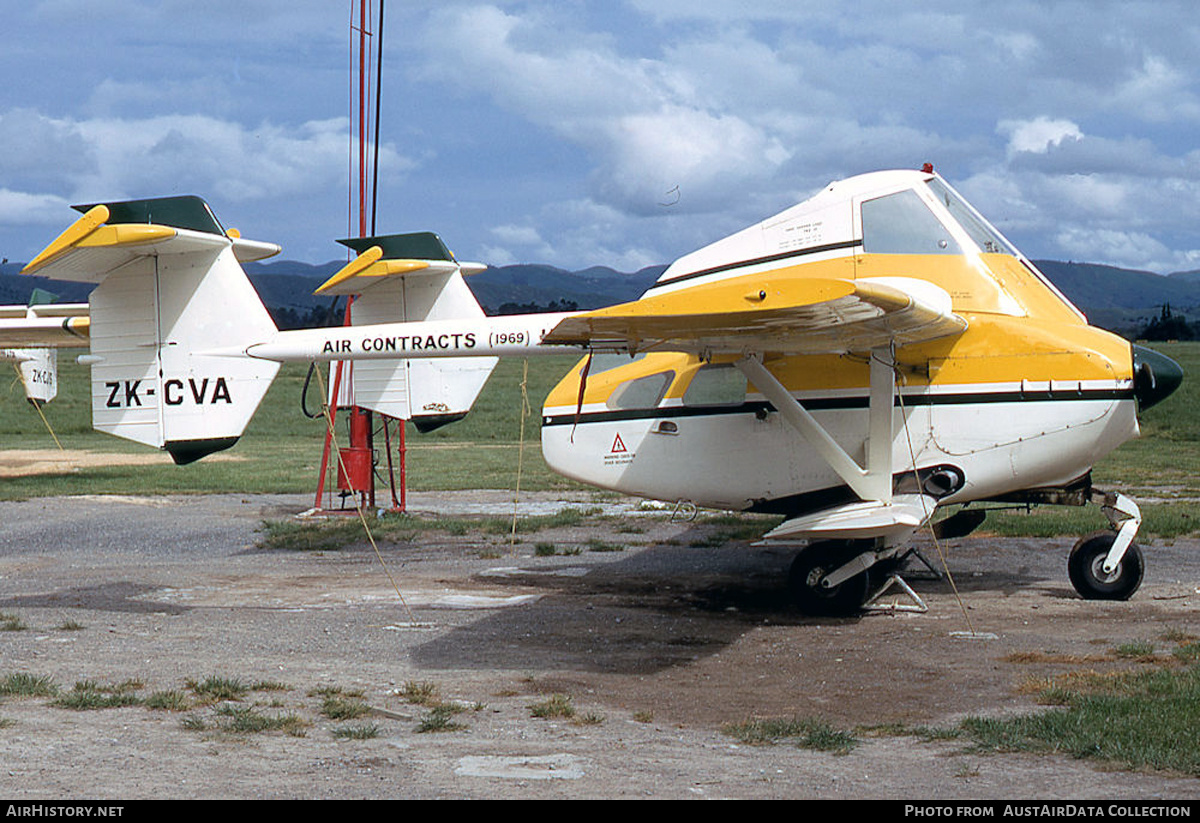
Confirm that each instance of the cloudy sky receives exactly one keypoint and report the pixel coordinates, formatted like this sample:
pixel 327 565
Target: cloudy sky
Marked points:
pixel 582 132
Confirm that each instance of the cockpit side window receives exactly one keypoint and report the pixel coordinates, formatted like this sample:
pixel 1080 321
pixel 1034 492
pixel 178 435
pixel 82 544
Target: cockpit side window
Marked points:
pixel 716 385
pixel 901 223
pixel 606 361
pixel 642 393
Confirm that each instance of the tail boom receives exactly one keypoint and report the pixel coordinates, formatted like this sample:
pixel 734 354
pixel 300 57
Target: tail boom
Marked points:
pixel 517 335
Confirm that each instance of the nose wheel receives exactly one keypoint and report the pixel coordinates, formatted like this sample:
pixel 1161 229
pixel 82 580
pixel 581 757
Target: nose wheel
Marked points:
pixel 1085 567
pixel 1108 565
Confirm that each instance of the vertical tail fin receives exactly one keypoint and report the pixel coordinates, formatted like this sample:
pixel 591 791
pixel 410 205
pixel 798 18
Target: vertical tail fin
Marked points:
pixel 170 284
pixel 411 277
pixel 37 370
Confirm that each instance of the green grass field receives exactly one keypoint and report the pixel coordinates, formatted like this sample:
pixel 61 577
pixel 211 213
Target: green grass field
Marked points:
pixel 281 449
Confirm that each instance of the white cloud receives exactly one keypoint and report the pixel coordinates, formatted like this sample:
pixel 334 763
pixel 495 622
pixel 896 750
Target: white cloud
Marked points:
pixel 1038 135
pixel 517 244
pixel 638 118
pixel 1158 92
pixel 22 209
pixel 556 132
pixel 116 157
pixel 1132 249
pixel 518 235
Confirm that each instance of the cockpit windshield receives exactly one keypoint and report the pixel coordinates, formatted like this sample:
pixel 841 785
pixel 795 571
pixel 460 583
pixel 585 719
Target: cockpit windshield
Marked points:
pixel 980 231
pixel 904 223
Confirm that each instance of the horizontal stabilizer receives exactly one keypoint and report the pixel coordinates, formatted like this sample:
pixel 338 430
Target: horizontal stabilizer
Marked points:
pixel 387 256
pixel 110 236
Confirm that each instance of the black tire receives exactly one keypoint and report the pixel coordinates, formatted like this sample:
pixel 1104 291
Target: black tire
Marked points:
pixel 812 564
pixel 1087 576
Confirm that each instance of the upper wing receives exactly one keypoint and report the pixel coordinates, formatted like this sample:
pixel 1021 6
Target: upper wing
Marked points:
pixel 783 312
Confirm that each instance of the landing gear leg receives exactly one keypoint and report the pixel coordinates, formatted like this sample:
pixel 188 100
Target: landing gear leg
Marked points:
pixel 809 580
pixel 1108 565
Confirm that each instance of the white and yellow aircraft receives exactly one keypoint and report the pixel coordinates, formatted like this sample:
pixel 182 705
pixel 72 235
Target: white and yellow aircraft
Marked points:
pixel 853 363
pixel 36 332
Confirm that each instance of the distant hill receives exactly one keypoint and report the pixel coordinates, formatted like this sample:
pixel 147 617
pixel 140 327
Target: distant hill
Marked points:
pixel 588 289
pixel 1120 299
pixel 1095 286
pixel 1192 276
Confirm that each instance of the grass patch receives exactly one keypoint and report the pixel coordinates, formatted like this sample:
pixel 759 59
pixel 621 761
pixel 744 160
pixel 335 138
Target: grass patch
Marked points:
pixel 804 733
pixel 311 535
pixel 194 723
pixel 11 623
pixel 421 693
pixel 246 720
pixel 335 533
pixel 1165 520
pixel 732 527
pixel 441 718
pixel 1138 720
pixel 339 707
pixel 21 684
pixel 213 688
pixel 1187 652
pixel 355 732
pixel 556 706
pixel 1137 650
pixel 70 626
pixel 168 701
pixel 88 695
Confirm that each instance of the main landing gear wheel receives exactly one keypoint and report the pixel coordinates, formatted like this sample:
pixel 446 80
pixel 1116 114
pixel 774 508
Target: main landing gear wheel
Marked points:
pixel 1085 567
pixel 814 563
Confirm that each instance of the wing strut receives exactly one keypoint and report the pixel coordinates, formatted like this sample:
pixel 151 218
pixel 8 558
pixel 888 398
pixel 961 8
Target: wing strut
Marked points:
pixel 872 483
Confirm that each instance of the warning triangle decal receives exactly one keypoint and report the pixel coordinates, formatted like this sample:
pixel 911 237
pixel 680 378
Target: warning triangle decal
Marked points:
pixel 618 445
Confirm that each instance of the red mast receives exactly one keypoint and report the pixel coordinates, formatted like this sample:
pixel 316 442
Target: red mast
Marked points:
pixel 356 473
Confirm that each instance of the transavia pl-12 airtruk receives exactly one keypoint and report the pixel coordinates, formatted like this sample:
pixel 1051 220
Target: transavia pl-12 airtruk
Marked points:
pixel 853 363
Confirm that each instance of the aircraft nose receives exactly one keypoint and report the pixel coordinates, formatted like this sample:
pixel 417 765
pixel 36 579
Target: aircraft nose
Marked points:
pixel 1155 376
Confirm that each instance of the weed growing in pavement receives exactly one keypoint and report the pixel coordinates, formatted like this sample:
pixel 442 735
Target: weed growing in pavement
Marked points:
pixel 88 694
pixel 805 733
pixel 554 706
pixel 169 701
pixel 213 688
pixel 21 684
pixel 441 719
pixel 355 732
pixel 338 707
